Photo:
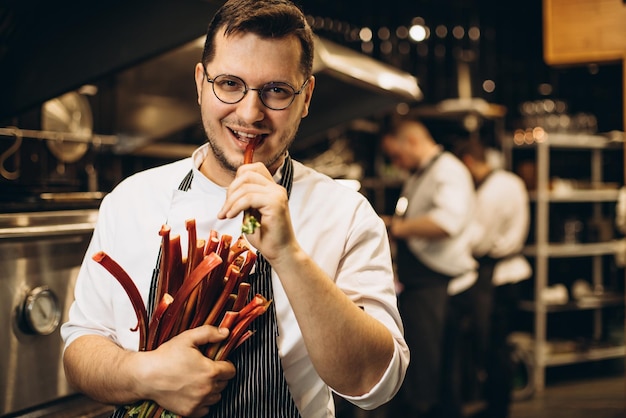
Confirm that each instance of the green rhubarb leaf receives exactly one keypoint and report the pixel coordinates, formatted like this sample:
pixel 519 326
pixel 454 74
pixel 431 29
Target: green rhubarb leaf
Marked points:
pixel 134 410
pixel 250 225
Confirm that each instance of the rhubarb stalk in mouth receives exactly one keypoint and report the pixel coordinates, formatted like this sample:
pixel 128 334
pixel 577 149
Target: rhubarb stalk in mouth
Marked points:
pixel 250 222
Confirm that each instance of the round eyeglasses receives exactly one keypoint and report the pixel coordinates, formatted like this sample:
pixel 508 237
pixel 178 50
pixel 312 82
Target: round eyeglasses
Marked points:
pixel 274 95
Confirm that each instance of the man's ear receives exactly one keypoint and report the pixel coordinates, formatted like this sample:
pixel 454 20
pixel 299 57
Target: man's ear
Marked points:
pixel 199 77
pixel 308 95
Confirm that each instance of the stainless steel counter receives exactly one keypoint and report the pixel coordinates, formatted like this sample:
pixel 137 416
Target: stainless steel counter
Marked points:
pixel 52 223
pixel 40 254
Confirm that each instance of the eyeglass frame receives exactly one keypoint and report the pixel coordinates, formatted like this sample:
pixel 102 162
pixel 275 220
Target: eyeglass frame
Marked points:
pixel 258 90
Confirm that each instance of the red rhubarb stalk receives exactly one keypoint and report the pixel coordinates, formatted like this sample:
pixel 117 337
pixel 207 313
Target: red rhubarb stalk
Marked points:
pixel 248 155
pixel 174 311
pixel 212 287
pixel 242 296
pixel 247 265
pixel 199 290
pixel 229 320
pixel 177 267
pixel 257 300
pixel 223 250
pixel 240 329
pixel 189 310
pixel 131 290
pixel 153 328
pixel 249 333
pixel 232 276
pixel 193 301
pixel 240 245
pixel 165 266
pixel 230 302
pixel 190 224
pixel 212 243
pixel 208 293
pixel 250 221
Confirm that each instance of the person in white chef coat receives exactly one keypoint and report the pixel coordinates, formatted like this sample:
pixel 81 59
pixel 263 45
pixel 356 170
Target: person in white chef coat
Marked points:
pixel 337 329
pixel 501 225
pixel 431 229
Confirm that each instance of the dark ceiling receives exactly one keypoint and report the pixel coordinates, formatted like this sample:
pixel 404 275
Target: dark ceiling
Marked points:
pixel 510 52
pixel 50 47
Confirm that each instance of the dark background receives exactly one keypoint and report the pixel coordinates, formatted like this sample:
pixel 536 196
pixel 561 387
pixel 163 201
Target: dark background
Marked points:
pixel 50 47
pixel 510 52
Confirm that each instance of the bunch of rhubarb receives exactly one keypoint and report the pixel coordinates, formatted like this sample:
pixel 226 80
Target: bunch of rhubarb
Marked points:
pixel 207 286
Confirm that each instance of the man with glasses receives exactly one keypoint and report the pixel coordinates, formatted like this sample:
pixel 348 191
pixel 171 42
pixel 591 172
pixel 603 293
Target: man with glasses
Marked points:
pixel 327 258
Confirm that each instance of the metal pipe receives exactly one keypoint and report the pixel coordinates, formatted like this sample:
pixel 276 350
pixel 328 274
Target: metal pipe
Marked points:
pixel 59 136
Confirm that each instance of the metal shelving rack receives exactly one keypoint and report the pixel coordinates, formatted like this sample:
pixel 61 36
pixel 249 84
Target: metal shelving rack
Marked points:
pixel 542 251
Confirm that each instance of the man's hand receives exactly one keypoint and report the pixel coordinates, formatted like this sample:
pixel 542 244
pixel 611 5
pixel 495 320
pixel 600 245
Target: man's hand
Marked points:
pixel 181 379
pixel 176 375
pixel 254 188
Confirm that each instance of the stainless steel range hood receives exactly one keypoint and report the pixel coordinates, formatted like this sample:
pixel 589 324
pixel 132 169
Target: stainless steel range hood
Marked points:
pixel 156 100
pixel 351 85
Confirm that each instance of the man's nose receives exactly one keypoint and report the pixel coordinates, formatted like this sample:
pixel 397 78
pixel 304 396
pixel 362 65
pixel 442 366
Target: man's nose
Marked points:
pixel 251 108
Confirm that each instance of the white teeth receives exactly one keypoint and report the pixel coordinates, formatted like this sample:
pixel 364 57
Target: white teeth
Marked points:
pixel 245 135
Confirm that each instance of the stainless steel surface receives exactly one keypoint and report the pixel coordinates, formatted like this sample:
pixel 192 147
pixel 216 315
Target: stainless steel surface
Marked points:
pixel 40 254
pixel 41 224
pixel 358 68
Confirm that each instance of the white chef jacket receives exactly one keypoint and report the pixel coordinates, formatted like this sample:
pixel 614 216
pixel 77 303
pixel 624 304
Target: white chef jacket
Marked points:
pixel 445 192
pixel 502 222
pixel 335 225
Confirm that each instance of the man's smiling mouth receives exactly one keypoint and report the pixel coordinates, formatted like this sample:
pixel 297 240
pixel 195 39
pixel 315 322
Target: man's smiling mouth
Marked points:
pixel 247 137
